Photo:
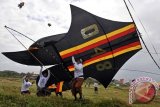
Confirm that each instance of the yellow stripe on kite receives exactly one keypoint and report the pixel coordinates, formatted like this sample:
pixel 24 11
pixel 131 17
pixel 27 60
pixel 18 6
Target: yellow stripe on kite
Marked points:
pixel 127 50
pixel 111 56
pixel 103 37
pixel 98 60
pixel 120 30
pixel 83 45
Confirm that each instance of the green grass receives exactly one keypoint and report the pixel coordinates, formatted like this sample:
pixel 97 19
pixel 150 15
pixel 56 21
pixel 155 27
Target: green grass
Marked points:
pixel 111 97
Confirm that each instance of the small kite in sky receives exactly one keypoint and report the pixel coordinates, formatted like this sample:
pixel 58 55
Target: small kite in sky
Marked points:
pixel 20 5
pixel 49 24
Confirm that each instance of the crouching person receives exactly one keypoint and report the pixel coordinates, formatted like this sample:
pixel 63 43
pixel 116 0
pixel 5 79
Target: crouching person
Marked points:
pixel 25 85
pixel 43 78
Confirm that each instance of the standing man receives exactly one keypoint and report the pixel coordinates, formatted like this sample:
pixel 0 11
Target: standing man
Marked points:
pixel 95 87
pixel 78 78
pixel 25 86
pixel 43 78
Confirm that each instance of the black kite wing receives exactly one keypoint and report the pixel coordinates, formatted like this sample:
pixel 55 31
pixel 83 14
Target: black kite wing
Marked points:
pixel 104 45
pixel 54 38
pixel 45 54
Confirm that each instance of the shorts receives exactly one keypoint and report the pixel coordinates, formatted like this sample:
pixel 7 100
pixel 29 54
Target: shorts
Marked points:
pixel 25 92
pixel 95 88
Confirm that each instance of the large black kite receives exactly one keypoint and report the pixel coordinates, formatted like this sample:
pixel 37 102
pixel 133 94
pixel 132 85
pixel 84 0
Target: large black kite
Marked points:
pixel 103 45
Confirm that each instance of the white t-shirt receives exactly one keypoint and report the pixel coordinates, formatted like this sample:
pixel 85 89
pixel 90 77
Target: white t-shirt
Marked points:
pixel 25 85
pixel 43 80
pixel 78 72
pixel 95 84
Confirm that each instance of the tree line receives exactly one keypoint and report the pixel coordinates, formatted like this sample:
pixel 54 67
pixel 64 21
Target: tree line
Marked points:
pixel 8 73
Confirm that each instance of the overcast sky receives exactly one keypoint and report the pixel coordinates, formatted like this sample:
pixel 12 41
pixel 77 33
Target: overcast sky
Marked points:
pixel 34 16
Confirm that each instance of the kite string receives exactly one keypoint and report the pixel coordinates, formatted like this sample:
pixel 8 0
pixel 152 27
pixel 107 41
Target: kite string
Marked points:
pixel 140 71
pixel 19 33
pixel 141 36
pixel 147 52
pixel 145 31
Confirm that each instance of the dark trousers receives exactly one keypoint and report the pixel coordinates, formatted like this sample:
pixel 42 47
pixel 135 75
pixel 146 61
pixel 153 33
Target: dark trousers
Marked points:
pixel 77 87
pixel 25 92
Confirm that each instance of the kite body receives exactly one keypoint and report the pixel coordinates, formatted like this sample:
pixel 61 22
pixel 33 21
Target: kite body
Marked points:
pixel 103 45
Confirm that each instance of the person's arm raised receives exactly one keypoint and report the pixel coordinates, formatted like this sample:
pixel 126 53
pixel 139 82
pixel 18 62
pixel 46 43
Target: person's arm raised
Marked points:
pixel 40 73
pixel 23 79
pixel 49 73
pixel 73 60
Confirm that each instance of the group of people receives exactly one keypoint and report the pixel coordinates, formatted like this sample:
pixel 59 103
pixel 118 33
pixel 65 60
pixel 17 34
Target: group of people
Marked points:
pixel 44 76
pixel 41 83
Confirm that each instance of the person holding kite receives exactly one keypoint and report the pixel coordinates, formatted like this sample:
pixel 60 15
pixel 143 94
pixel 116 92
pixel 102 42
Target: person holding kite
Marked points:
pixel 25 86
pixel 78 78
pixel 43 78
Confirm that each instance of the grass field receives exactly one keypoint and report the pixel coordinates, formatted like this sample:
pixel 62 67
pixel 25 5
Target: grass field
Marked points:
pixel 111 97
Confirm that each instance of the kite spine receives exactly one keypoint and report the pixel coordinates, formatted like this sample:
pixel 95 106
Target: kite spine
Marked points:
pixel 108 43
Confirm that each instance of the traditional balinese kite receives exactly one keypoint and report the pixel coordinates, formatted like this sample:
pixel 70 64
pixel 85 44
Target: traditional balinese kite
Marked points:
pixel 103 45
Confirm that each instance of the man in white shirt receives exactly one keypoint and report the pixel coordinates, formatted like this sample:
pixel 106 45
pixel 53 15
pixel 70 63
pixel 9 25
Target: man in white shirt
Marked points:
pixel 25 86
pixel 95 85
pixel 43 78
pixel 78 77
